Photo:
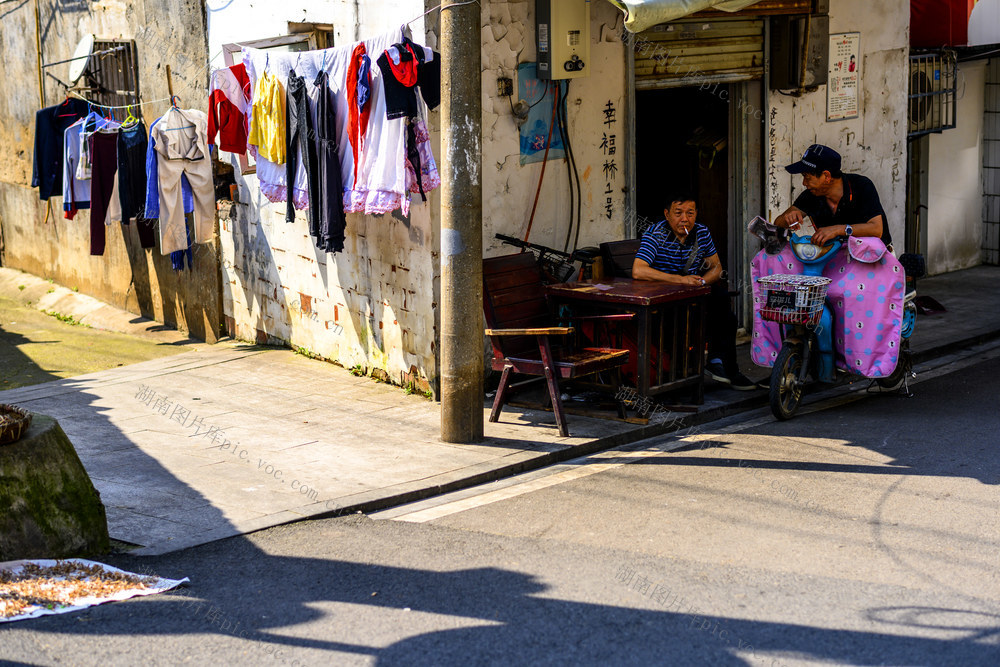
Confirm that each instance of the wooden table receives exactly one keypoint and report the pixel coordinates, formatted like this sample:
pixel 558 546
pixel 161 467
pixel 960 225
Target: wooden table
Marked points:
pixel 670 320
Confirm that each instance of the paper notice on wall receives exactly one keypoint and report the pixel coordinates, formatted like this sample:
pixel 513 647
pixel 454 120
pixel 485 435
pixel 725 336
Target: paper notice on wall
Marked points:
pixel 844 80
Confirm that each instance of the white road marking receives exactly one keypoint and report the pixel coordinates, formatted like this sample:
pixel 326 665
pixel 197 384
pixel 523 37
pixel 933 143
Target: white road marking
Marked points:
pixel 468 499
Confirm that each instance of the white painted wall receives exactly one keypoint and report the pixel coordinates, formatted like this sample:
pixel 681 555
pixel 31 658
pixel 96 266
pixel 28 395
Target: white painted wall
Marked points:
pixel 874 144
pixel 372 305
pixel 954 180
pixel 984 23
pixel 508 188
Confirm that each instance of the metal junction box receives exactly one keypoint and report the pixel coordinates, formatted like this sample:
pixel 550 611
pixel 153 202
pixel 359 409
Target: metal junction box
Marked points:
pixel 800 49
pixel 562 34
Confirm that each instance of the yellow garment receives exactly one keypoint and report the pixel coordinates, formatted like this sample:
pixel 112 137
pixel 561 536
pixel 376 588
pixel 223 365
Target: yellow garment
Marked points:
pixel 267 123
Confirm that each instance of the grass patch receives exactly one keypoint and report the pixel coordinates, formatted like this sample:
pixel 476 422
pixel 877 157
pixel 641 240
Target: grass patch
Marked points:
pixel 68 319
pixel 305 352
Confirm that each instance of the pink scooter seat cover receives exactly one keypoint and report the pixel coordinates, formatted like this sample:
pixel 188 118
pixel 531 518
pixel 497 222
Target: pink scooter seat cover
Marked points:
pixel 866 292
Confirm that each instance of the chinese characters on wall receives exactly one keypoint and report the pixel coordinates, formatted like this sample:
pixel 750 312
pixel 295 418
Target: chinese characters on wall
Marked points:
pixel 607 146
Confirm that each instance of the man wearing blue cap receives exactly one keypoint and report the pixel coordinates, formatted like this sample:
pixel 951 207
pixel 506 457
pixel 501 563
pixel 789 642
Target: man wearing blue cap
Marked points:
pixel 839 204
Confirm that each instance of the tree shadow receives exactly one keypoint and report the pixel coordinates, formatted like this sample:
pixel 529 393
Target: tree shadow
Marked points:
pixel 495 616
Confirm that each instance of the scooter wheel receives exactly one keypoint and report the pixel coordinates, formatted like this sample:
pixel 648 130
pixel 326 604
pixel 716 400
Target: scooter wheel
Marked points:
pixel 785 389
pixel 894 380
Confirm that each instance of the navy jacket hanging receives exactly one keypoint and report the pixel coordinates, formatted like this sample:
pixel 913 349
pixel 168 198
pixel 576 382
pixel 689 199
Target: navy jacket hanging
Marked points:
pixel 50 126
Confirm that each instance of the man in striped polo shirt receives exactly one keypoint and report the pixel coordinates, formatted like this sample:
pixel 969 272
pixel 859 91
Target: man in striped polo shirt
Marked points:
pixel 679 251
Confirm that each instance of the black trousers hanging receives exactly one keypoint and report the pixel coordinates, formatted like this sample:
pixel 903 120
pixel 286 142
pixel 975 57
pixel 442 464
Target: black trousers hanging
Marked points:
pixel 132 182
pixel 331 219
pixel 301 146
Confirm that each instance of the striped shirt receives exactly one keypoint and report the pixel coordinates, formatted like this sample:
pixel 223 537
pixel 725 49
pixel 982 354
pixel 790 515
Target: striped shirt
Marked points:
pixel 662 251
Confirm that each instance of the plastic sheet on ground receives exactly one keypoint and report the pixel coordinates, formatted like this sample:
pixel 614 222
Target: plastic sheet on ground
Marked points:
pixel 32 588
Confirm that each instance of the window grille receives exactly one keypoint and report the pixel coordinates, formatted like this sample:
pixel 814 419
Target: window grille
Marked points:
pixel 932 98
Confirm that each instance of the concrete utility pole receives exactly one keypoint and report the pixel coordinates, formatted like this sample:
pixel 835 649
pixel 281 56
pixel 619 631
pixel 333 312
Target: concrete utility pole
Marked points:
pixel 461 225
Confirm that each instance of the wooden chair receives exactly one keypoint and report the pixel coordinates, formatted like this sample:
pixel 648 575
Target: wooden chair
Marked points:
pixel 618 256
pixel 518 319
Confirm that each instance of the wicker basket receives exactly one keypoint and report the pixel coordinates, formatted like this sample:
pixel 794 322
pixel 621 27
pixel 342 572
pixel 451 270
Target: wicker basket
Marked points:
pixel 792 299
pixel 14 421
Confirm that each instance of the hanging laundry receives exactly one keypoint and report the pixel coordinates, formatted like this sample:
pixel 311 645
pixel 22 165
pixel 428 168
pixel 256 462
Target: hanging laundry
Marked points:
pixel 398 79
pixel 401 66
pixel 267 121
pixel 104 156
pixel 429 78
pixel 114 214
pixel 181 139
pixel 380 186
pixel 152 206
pixel 228 103
pixel 421 170
pixel 76 192
pixel 359 90
pixel 301 150
pixel 91 123
pixel 329 209
pixel 132 145
pixel 406 66
pixel 50 128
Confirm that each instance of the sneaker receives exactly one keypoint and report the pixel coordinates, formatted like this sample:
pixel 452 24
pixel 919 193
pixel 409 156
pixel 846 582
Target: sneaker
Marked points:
pixel 715 371
pixel 741 382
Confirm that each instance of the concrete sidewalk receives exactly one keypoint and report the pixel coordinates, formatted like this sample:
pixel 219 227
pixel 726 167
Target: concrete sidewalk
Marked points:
pixel 231 438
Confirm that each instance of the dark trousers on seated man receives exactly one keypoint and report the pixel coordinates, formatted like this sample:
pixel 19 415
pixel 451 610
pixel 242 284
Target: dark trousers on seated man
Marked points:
pixel 721 326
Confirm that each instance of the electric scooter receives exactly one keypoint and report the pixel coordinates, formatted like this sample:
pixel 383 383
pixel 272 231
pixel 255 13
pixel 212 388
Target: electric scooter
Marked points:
pixel 798 302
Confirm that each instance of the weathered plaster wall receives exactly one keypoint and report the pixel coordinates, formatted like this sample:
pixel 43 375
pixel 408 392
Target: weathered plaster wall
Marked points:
pixel 955 182
pixel 373 305
pixel 127 276
pixel 874 144
pixel 508 38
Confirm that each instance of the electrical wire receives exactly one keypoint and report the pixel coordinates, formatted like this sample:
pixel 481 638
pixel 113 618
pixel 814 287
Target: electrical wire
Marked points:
pixel 442 7
pixel 572 172
pixel 545 159
pixel 569 168
pixel 576 174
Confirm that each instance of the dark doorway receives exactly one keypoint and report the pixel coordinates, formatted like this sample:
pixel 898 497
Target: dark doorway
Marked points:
pixel 682 137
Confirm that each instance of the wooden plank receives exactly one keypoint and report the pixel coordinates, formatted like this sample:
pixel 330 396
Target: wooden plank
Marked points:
pixel 530 332
pixel 537 311
pixel 762 8
pixel 708 50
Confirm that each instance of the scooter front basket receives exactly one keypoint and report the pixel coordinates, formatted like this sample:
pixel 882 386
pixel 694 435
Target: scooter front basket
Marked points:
pixel 792 299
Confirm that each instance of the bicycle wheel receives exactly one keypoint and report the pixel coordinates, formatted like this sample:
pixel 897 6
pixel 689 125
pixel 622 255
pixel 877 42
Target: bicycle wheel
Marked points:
pixel 785 391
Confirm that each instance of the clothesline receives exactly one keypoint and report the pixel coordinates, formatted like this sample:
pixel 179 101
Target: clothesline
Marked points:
pixel 442 6
pixel 139 104
pixel 122 106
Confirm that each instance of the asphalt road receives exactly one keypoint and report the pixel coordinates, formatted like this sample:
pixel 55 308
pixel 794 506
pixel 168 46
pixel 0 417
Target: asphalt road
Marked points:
pixel 863 534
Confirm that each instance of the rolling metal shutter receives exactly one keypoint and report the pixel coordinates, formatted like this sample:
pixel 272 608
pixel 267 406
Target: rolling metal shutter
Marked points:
pixel 695 52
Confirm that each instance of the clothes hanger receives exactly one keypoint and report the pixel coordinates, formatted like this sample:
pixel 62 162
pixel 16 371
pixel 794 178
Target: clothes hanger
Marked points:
pixel 174 99
pixel 65 103
pixel 129 120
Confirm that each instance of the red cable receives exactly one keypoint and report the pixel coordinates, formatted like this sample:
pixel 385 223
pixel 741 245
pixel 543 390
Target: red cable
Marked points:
pixel 545 158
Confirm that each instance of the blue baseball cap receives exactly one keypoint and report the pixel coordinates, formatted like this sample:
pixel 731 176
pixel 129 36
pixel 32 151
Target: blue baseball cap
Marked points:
pixel 816 158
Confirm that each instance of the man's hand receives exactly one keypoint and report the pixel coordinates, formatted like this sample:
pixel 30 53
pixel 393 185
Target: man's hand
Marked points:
pixel 790 219
pixel 824 235
pixel 696 281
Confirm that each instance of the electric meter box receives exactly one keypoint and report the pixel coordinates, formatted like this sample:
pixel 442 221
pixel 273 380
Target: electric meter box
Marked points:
pixel 562 33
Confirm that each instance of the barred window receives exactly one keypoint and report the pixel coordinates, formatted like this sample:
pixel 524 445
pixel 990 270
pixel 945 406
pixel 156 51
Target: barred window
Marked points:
pixel 111 78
